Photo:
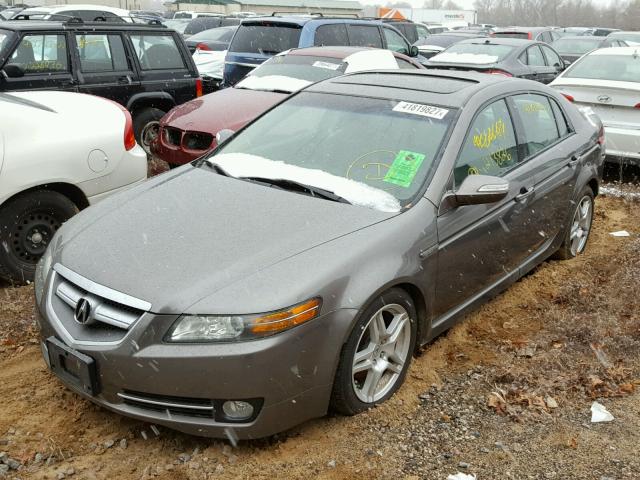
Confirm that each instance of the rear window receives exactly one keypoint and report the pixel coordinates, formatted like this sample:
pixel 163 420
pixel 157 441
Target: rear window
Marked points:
pixel 476 53
pixel 440 40
pixel 265 39
pixel 511 34
pixel 329 35
pixel 182 15
pixel 197 25
pixel 632 39
pixel 365 36
pixel 624 68
pixel 222 34
pixel 157 52
pixel 575 45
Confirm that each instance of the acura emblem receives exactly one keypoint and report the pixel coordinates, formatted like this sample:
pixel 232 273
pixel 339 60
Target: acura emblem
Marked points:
pixel 604 98
pixel 82 313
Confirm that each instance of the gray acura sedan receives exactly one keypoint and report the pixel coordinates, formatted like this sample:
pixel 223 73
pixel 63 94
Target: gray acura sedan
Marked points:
pixel 297 267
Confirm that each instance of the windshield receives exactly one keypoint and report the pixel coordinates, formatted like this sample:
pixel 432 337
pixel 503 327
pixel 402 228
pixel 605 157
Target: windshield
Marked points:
pixel 576 45
pixel 265 39
pixel 511 34
pixel 623 68
pixel 221 34
pixel 631 38
pixel 4 40
pixel 440 40
pixel 318 139
pixel 477 53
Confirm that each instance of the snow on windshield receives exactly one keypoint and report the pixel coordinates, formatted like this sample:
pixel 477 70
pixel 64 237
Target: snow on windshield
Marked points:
pixel 475 58
pixel 210 63
pixel 273 82
pixel 245 165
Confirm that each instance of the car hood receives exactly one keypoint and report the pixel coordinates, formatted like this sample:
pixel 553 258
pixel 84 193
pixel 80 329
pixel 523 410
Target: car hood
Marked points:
pixel 173 242
pixel 230 108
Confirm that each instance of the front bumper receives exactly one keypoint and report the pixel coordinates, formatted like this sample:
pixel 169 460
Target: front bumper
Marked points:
pixel 291 374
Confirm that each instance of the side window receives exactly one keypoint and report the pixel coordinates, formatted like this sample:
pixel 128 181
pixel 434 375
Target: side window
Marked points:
pixel 101 53
pixel 490 148
pixel 523 58
pixel 553 59
pixel 535 56
pixel 538 122
pixel 545 37
pixel 423 32
pixel 364 36
pixel 395 42
pixel 561 120
pixel 41 54
pixel 157 52
pixel 329 35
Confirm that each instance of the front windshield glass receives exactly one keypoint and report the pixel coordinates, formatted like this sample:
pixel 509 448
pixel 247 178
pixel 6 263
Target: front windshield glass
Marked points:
pixel 576 45
pixel 373 152
pixel 632 38
pixel 623 68
pixel 480 53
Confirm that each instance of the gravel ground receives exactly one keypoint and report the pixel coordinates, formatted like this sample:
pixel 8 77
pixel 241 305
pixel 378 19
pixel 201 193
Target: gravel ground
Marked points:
pixel 506 394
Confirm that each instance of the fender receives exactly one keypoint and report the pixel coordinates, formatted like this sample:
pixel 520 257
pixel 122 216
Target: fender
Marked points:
pixel 146 96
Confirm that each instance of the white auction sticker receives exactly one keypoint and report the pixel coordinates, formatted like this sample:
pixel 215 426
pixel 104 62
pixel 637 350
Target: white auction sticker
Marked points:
pixel 329 65
pixel 420 109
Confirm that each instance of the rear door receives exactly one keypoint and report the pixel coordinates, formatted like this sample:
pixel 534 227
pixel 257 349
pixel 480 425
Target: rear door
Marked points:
pixel 553 60
pixel 481 246
pixel 44 58
pixel 164 64
pixel 103 67
pixel 538 68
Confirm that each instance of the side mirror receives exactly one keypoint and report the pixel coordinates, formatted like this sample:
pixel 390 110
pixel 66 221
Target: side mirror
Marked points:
pixel 480 189
pixel 13 71
pixel 413 51
pixel 224 135
pixel 566 63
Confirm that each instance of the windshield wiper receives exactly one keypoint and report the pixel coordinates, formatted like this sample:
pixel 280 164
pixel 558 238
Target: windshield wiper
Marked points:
pixel 217 168
pixel 287 184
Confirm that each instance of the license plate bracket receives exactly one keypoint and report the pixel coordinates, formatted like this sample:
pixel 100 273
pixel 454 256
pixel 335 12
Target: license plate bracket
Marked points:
pixel 74 367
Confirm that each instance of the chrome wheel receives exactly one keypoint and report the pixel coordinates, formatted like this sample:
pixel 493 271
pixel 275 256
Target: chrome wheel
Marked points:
pixel 581 225
pixel 381 353
pixel 148 135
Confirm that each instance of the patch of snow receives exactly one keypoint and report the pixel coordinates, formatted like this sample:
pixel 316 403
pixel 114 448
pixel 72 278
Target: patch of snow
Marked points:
pixel 473 58
pixel 621 233
pixel 600 414
pixel 246 165
pixel 273 82
pixel 431 48
pixel 616 192
pixel 210 63
pixel 371 60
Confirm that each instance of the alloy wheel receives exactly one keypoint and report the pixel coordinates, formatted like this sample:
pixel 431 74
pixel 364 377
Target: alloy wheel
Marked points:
pixel 581 225
pixel 149 134
pixel 382 351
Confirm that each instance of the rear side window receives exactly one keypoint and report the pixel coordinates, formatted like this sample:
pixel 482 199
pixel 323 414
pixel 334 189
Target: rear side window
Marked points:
pixel 101 53
pixel 538 121
pixel 490 147
pixel 553 59
pixel 534 57
pixel 331 35
pixel 157 52
pixel 266 39
pixel 365 36
pixel 41 54
pixel 561 120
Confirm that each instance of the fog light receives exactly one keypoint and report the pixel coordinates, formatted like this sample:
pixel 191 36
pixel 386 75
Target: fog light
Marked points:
pixel 237 410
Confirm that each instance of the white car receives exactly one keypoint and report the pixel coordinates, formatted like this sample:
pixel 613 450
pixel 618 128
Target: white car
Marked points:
pixel 189 14
pixel 59 153
pixel 608 81
pixel 88 13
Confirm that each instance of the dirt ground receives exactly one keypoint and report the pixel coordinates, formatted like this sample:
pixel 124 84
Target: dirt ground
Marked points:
pixel 504 395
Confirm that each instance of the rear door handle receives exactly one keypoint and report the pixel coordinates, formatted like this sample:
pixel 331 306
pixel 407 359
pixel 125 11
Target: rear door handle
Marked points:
pixel 524 194
pixel 573 161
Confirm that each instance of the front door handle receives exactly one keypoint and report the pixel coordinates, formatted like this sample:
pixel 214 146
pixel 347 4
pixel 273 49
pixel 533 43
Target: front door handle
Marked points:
pixel 573 161
pixel 124 79
pixel 524 194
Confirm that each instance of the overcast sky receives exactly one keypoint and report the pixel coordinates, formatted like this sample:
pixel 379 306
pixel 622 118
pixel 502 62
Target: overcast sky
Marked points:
pixel 465 4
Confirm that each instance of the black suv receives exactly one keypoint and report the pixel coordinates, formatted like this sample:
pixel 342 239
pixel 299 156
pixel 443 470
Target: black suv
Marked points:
pixel 146 68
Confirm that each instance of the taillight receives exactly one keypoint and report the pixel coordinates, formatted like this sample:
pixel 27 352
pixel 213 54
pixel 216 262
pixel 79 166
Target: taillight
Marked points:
pixel 529 36
pixel 129 137
pixel 568 97
pixel 601 136
pixel 498 72
pixel 637 105
pixel 198 87
pixel 203 46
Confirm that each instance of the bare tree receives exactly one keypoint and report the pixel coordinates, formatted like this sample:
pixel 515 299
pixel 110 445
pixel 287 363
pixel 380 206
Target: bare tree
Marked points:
pixel 451 5
pixel 433 4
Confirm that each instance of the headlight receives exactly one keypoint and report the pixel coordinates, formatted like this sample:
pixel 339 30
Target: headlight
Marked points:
pixel 233 328
pixel 42 271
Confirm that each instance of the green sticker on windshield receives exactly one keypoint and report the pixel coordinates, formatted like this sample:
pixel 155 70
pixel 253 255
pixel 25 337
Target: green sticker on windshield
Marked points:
pixel 404 168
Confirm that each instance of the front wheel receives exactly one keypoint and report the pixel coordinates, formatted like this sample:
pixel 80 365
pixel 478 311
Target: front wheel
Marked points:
pixel 146 126
pixel 27 225
pixel 577 235
pixel 375 358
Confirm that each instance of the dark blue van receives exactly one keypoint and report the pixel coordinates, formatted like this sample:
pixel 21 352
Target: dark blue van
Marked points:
pixel 258 39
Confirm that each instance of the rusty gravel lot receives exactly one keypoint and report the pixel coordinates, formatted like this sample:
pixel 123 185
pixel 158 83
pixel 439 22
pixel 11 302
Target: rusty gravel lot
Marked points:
pixel 505 394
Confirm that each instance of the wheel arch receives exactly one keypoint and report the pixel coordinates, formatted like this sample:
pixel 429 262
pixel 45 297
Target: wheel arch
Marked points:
pixel 161 100
pixel 72 192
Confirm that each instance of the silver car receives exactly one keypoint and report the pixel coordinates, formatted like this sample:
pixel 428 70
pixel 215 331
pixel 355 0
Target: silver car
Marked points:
pixel 298 267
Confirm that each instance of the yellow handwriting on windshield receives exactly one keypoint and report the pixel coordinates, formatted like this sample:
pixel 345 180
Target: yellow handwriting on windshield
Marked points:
pixel 485 139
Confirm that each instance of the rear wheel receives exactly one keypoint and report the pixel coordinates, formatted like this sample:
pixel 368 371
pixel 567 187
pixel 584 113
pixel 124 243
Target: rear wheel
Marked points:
pixel 375 358
pixel 146 126
pixel 577 235
pixel 27 225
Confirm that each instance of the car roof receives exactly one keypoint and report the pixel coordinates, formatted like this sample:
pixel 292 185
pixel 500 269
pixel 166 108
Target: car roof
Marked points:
pixel 582 37
pixel 522 29
pixel 453 33
pixel 299 20
pixel 437 87
pixel 338 52
pixel 19 25
pixel 513 42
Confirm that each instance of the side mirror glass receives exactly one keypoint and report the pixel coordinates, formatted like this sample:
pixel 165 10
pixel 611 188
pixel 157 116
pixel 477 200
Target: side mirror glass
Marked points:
pixel 481 189
pixel 413 51
pixel 224 135
pixel 13 71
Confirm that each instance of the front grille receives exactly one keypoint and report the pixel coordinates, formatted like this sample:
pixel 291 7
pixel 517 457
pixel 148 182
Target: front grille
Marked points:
pixel 197 141
pixel 192 407
pixel 110 314
pixel 172 136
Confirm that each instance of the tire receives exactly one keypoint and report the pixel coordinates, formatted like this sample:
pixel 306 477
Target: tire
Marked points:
pixel 579 228
pixel 27 224
pixel 145 125
pixel 354 392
